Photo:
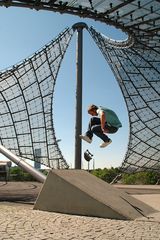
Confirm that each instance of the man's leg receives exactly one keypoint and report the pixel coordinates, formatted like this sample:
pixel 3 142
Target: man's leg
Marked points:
pixel 96 129
pixel 94 121
pixel 110 129
pixel 99 133
pixel 89 134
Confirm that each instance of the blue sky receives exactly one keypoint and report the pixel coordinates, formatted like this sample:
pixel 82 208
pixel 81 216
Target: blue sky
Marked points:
pixel 24 31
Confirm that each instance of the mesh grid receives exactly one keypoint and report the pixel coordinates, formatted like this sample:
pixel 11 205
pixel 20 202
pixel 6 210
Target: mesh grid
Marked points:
pixel 26 96
pixel 140 18
pixel 135 63
pixel 138 76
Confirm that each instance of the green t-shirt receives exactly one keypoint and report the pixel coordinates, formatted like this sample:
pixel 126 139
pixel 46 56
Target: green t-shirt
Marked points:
pixel 111 117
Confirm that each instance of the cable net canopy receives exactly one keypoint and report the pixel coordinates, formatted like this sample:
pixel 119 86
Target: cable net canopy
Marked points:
pixel 139 18
pixel 135 63
pixel 137 69
pixel 26 97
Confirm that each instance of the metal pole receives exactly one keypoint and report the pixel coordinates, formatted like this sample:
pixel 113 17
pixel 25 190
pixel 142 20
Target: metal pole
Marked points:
pixel 28 168
pixel 79 67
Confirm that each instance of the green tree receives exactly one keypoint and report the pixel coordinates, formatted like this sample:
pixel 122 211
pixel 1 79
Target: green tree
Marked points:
pixel 106 174
pixel 18 174
pixel 147 177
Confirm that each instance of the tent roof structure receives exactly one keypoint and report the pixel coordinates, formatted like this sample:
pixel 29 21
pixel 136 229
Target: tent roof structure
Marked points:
pixel 135 63
pixel 139 18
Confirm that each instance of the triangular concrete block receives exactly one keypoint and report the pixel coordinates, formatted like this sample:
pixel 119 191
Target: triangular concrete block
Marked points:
pixel 79 192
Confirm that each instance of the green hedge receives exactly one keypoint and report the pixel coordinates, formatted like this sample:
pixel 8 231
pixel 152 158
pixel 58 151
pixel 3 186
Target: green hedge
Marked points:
pixel 108 175
pixel 140 178
pixel 149 177
pixel 18 174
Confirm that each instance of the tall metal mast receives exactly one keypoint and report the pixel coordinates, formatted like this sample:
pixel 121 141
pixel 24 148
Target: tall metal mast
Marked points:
pixel 79 66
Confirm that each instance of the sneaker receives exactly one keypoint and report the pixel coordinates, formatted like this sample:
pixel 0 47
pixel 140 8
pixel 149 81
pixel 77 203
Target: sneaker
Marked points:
pixel 85 138
pixel 105 144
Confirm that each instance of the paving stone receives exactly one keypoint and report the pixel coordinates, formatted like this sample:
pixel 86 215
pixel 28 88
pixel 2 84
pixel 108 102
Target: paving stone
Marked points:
pixel 19 222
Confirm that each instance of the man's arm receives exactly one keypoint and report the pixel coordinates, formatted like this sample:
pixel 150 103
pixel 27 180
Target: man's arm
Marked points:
pixel 103 120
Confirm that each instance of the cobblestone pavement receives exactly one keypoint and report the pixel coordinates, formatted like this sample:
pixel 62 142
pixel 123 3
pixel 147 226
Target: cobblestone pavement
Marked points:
pixel 21 222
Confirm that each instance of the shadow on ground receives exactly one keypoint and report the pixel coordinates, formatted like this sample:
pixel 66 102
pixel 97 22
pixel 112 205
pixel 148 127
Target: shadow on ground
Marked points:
pixel 25 192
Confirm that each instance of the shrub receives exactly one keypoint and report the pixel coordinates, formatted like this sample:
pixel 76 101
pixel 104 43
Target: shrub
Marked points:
pixel 140 178
pixel 106 174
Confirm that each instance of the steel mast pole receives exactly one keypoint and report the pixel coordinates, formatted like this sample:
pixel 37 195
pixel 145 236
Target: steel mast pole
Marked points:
pixel 79 68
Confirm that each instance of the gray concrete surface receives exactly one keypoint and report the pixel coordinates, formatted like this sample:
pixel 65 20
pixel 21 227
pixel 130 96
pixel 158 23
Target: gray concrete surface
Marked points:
pixel 81 193
pixel 20 221
pixel 151 200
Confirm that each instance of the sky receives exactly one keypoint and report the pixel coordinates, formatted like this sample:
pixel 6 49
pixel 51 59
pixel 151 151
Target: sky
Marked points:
pixel 23 32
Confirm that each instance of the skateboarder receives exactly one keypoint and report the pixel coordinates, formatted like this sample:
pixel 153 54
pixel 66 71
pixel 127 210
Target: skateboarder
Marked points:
pixel 106 122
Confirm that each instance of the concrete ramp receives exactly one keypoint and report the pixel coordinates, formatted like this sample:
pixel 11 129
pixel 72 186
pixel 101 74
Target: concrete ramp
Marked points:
pixel 79 192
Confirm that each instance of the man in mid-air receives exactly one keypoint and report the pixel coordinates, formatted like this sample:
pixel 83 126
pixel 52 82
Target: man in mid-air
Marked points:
pixel 106 122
